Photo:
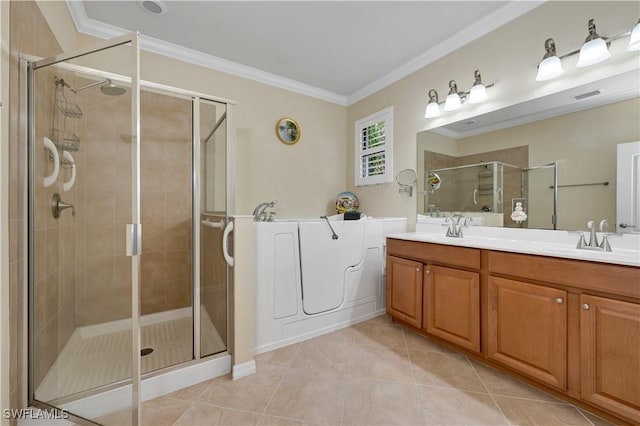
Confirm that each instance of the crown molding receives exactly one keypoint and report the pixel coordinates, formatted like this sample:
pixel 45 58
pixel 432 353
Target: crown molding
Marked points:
pixel 481 27
pixel 95 28
pixel 499 17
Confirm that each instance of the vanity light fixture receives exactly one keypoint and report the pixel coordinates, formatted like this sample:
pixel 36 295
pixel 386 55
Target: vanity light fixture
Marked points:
pixel 433 109
pixel 453 101
pixel 550 66
pixel 634 40
pixel 594 50
pixel 478 92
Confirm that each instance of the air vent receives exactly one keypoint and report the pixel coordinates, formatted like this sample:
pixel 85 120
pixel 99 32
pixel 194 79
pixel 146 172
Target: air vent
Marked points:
pixel 154 7
pixel 587 95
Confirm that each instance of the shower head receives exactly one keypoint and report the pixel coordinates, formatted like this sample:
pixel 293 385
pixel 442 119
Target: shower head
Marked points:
pixel 106 87
pixel 111 89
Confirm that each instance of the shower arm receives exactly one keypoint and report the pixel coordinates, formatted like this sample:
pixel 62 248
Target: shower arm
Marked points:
pixel 65 84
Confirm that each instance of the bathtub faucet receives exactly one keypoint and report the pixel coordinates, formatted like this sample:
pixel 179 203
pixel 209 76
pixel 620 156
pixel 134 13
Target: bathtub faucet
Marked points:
pixel 260 212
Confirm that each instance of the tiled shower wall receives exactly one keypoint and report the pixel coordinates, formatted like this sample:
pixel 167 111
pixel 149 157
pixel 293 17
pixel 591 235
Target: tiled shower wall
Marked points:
pixel 103 291
pixel 166 171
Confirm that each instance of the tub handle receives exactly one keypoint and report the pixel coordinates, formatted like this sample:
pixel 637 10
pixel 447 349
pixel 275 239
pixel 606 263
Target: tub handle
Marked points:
pixel 225 243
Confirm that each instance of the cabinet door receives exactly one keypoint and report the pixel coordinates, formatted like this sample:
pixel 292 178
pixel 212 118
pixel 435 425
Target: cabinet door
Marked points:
pixel 404 290
pixel 610 355
pixel 451 306
pixel 527 326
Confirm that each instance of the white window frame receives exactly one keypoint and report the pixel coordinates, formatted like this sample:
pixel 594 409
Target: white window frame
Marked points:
pixel 385 115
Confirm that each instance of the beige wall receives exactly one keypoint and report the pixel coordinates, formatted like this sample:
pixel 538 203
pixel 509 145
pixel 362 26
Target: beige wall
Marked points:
pixel 507 56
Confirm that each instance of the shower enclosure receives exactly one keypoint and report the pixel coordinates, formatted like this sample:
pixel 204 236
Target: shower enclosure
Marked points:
pixel 129 193
pixel 482 187
pixel 489 191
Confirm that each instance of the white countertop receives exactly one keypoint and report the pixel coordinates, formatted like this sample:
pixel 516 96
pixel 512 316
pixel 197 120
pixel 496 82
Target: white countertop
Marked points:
pixel 625 248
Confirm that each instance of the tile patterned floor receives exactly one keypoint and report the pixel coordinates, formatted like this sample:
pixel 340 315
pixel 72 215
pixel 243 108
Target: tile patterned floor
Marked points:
pixel 374 373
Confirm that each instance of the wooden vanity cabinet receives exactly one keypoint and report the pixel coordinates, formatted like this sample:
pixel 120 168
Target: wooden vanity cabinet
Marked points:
pixel 404 290
pixel 610 355
pixel 572 326
pixel 527 329
pixel 449 290
pixel 451 305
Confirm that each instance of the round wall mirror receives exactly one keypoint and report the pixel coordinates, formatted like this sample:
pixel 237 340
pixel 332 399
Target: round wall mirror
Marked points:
pixel 406 178
pixel 433 180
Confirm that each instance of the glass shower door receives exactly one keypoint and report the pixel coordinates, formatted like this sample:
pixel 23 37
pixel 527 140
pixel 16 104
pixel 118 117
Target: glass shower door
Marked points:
pixel 213 217
pixel 84 233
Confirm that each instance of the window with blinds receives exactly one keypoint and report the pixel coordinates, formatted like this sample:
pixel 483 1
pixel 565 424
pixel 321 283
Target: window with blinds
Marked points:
pixel 374 145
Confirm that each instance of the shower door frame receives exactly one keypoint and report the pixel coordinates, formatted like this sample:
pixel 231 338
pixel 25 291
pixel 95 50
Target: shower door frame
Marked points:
pixel 28 67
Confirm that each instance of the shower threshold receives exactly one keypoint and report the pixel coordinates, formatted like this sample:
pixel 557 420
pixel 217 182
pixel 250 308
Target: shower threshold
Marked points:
pixel 99 355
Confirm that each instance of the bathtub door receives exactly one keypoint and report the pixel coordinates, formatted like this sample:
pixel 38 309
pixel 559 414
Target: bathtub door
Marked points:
pixel 325 261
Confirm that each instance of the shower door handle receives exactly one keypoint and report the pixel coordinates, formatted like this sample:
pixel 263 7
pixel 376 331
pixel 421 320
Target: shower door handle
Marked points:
pixel 225 243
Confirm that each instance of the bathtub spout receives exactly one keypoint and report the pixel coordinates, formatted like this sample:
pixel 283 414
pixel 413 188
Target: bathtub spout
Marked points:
pixel 334 236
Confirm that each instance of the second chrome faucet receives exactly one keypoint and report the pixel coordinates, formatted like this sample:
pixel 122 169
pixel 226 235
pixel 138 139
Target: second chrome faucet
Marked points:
pixel 593 243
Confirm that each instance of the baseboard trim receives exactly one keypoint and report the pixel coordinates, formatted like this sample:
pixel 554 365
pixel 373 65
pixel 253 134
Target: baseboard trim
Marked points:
pixel 242 370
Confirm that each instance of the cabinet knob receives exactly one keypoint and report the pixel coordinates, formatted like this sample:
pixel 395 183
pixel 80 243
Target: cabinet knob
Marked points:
pixel 427 271
pixel 559 301
pixel 585 306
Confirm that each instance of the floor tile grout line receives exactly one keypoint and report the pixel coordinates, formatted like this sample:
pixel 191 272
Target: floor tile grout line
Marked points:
pixel 413 374
pixel 488 391
pixel 264 410
pixel 583 415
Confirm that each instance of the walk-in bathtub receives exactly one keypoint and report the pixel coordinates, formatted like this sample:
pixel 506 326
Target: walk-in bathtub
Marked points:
pixel 308 283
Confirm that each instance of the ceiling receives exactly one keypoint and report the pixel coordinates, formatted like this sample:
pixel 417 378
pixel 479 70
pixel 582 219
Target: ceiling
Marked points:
pixel 340 51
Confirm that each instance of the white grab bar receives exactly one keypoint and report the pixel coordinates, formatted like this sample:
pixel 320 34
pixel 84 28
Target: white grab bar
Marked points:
pixel 225 245
pixel 50 180
pixel 475 197
pixel 218 225
pixel 69 184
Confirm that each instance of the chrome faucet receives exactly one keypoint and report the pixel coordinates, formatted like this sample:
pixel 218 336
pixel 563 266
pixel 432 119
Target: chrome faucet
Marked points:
pixel 593 243
pixel 454 229
pixel 260 213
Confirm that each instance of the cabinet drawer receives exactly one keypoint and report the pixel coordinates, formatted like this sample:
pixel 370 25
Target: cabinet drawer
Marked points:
pixel 435 253
pixel 616 279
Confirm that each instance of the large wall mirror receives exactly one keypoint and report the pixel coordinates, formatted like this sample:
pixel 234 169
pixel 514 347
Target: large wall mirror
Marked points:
pixel 486 165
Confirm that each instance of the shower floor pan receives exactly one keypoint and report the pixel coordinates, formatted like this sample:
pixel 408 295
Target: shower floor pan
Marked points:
pixel 100 354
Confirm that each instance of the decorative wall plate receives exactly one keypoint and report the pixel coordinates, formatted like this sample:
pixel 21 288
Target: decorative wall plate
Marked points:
pixel 288 131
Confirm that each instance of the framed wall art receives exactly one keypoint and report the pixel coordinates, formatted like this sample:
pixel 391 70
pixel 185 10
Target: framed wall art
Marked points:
pixel 288 131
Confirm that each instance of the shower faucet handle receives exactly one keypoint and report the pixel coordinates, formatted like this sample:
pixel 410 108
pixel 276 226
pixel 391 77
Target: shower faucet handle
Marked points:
pixel 57 205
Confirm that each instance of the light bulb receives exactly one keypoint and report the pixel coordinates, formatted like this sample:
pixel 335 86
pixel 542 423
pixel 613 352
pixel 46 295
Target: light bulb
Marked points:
pixel 433 110
pixel 477 94
pixel 452 102
pixel 549 68
pixel 593 52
